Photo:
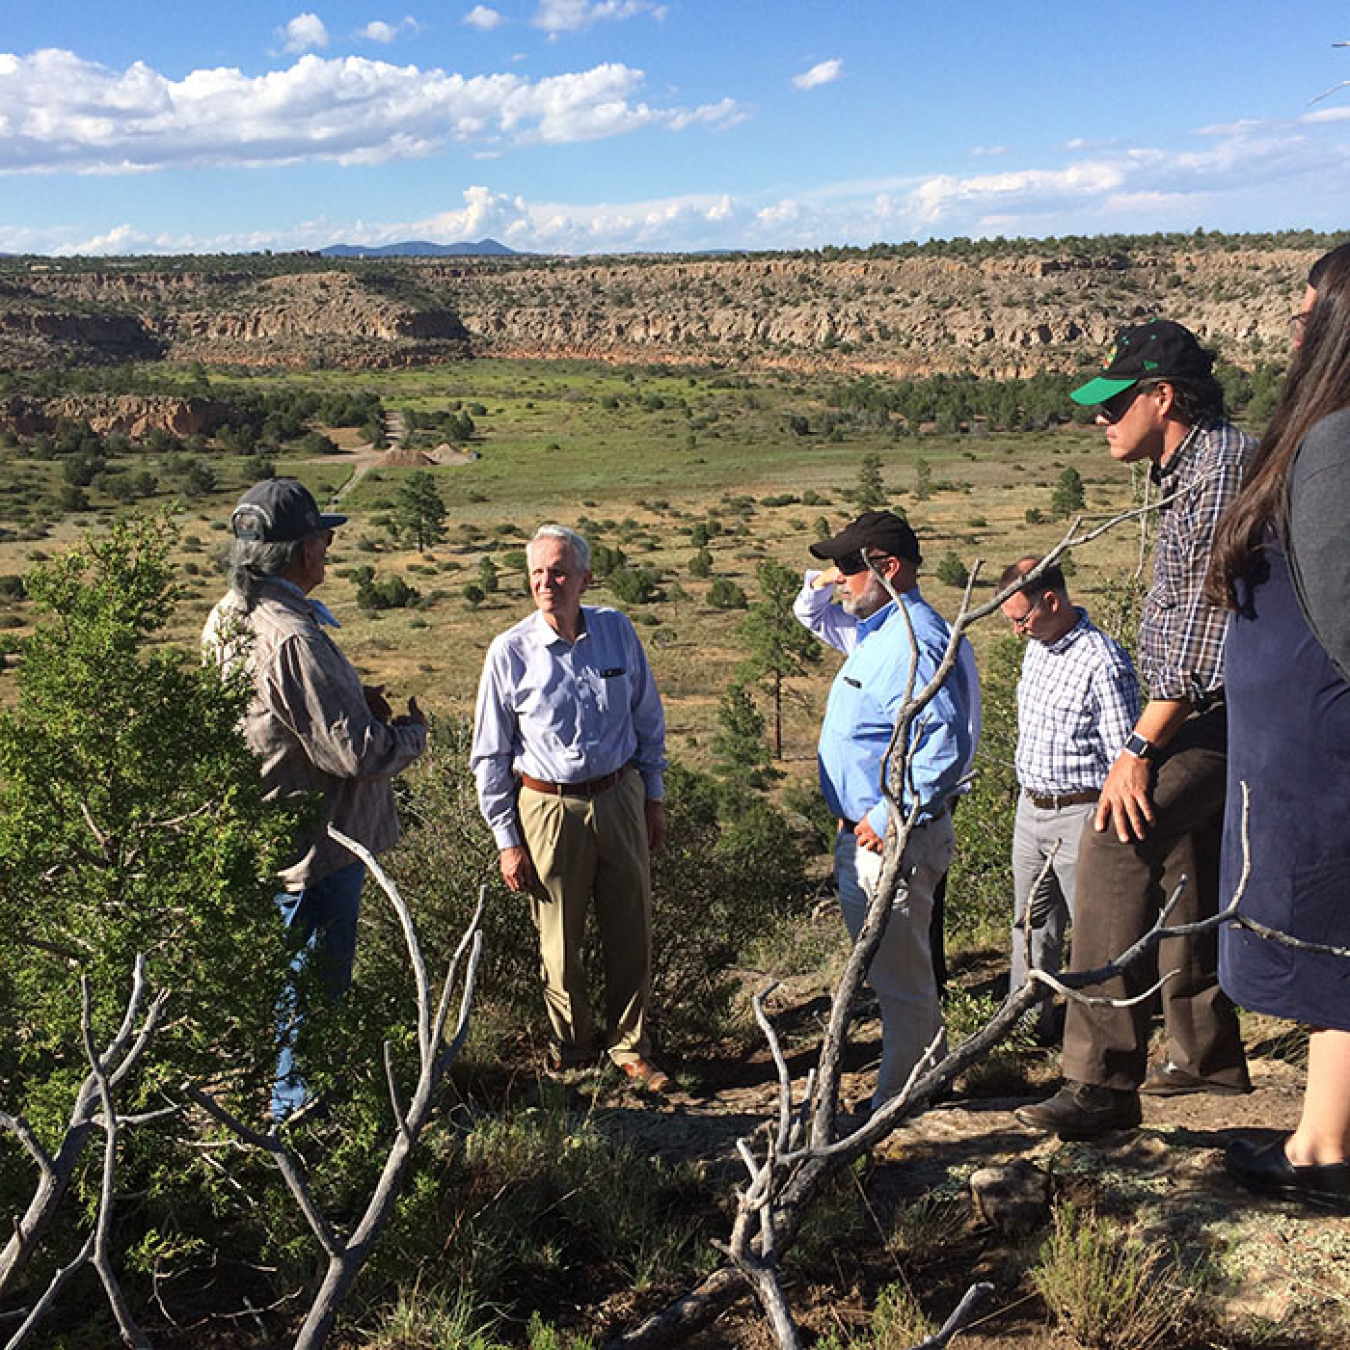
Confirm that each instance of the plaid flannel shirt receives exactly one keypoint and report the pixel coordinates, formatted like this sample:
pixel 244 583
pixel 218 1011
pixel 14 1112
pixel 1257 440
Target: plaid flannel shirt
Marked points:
pixel 1180 633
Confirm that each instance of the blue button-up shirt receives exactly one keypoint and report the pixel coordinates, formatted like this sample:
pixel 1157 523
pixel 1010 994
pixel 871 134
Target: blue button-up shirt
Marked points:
pixel 564 711
pixel 864 703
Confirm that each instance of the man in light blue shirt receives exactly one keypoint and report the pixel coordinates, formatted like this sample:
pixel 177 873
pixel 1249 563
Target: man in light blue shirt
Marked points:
pixel 887 647
pixel 568 753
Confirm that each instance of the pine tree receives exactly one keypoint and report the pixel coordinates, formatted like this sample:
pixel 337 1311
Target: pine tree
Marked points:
pixel 1068 495
pixel 779 646
pixel 870 494
pixel 419 511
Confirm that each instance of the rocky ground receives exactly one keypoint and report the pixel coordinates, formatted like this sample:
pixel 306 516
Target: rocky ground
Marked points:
pixel 1270 1273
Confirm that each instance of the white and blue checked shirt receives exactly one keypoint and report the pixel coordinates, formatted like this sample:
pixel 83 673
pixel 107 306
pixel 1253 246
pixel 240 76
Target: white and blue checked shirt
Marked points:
pixel 1077 701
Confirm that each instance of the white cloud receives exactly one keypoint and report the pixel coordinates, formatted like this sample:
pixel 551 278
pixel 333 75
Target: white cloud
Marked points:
pixel 61 112
pixel 377 30
pixel 988 150
pixel 484 18
pixel 823 72
pixel 1326 115
pixel 303 33
pixel 571 16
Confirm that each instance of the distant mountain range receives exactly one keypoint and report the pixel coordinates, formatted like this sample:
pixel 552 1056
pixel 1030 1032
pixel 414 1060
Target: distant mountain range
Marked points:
pixel 419 248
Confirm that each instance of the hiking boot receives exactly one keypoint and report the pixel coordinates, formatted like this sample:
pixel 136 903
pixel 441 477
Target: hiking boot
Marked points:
pixel 1083 1111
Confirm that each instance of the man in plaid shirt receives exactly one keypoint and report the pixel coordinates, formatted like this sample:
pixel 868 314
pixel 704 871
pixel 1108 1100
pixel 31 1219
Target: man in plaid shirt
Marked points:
pixel 316 729
pixel 1159 816
pixel 1077 701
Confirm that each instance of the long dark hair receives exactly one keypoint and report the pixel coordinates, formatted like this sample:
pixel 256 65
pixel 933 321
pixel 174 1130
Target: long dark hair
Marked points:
pixel 1317 385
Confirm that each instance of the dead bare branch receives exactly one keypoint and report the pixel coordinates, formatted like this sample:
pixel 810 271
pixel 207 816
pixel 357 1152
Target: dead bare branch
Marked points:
pixel 347 1256
pixel 962 1316
pixel 120 1059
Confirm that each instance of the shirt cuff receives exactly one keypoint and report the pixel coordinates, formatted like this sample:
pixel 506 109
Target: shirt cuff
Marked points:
pixel 653 784
pixel 507 836
pixel 876 818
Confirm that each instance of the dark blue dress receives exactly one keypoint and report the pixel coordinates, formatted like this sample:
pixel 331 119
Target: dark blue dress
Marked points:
pixel 1289 740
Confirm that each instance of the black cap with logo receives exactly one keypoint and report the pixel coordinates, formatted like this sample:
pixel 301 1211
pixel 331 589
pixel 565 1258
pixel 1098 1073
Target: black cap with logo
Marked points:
pixel 1156 350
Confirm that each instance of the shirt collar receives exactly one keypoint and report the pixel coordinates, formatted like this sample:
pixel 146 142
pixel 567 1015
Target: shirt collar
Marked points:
pixel 1062 644
pixel 1160 473
pixel 885 613
pixel 322 614
pixel 546 635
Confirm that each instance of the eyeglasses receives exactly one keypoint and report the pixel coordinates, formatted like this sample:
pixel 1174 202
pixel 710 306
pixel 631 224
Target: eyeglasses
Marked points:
pixel 1021 623
pixel 1297 323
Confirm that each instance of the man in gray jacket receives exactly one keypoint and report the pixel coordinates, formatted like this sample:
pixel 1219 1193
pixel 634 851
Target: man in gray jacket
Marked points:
pixel 316 729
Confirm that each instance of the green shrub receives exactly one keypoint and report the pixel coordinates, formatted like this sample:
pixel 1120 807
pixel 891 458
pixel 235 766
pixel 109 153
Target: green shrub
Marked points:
pixel 726 594
pixel 1111 1288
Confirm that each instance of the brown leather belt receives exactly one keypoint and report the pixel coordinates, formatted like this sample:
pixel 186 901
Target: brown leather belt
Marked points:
pixel 1056 801
pixel 593 787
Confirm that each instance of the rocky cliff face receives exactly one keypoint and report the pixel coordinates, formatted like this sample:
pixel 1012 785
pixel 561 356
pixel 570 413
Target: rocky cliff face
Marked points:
pixel 1002 314
pixel 999 316
pixel 109 414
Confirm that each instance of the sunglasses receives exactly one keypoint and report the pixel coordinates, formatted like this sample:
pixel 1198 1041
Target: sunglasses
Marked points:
pixel 1115 407
pixel 853 563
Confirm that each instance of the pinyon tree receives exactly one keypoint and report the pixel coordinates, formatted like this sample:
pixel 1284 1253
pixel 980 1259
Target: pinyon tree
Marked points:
pixel 132 824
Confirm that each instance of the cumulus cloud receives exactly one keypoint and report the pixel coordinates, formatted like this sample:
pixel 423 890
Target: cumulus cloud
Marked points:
pixel 303 33
pixel 61 112
pixel 823 72
pixel 484 18
pixel 377 30
pixel 571 16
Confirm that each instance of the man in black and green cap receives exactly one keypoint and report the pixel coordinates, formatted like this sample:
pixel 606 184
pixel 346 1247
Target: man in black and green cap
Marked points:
pixel 1160 813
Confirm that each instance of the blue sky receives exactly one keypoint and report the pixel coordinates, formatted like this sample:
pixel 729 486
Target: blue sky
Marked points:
pixel 584 126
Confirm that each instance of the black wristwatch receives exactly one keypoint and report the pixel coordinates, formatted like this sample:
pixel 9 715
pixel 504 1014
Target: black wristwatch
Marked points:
pixel 1136 745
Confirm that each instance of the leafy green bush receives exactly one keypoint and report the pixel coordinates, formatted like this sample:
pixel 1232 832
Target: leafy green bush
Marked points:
pixel 391 592
pixel 131 821
pixel 634 585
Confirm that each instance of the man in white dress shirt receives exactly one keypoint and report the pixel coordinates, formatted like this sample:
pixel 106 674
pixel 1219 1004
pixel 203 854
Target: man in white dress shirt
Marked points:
pixel 568 753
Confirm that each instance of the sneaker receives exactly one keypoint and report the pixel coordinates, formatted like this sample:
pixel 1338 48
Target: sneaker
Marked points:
pixel 1166 1080
pixel 1083 1111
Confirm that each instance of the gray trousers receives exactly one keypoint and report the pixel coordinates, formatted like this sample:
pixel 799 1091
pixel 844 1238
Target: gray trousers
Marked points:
pixel 901 973
pixel 1039 833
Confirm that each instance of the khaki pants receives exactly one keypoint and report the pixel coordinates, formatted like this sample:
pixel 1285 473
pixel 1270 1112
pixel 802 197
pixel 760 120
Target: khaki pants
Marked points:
pixel 586 848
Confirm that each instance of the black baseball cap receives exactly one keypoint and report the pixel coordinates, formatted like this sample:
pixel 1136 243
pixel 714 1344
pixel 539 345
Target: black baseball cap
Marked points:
pixel 278 511
pixel 881 530
pixel 1156 350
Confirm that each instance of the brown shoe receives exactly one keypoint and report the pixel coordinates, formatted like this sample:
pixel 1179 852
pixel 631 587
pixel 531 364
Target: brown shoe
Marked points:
pixel 645 1074
pixel 1166 1080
